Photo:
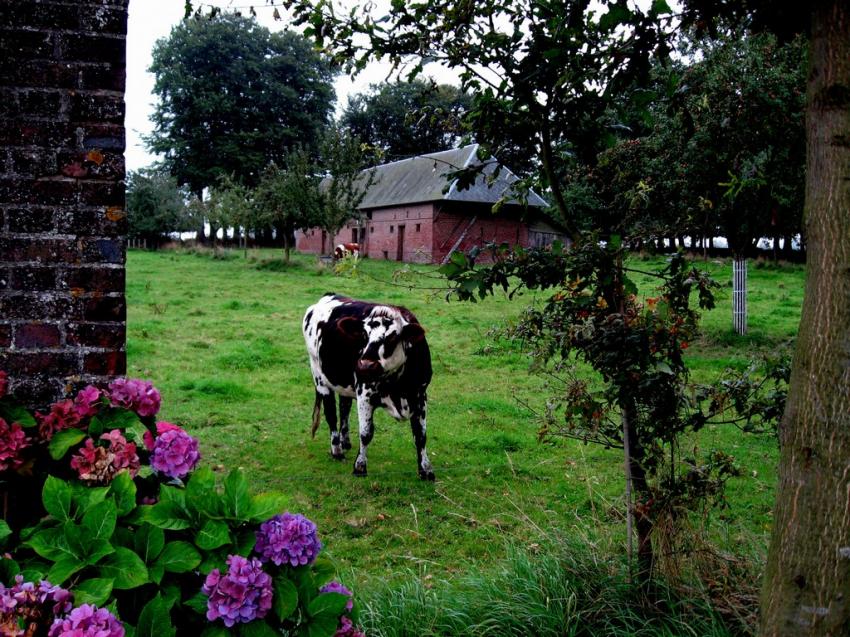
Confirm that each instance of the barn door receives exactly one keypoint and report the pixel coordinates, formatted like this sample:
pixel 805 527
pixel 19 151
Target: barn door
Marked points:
pixel 400 254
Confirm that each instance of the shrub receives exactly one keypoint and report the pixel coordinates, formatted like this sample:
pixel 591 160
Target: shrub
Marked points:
pixel 130 537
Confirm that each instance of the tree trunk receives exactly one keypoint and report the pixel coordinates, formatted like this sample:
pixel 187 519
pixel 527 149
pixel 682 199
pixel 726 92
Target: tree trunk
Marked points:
pixel 739 293
pixel 807 580
pixel 636 476
pixel 286 247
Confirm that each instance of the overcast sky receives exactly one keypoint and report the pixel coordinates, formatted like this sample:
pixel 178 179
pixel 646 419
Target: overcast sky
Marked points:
pixel 154 19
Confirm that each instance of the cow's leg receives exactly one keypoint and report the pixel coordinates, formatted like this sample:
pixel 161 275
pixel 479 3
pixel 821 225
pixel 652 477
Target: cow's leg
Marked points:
pixel 417 424
pixel 329 403
pixel 344 413
pixel 365 410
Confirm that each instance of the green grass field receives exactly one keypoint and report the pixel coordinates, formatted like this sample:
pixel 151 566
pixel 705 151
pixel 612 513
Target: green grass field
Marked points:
pixel 221 339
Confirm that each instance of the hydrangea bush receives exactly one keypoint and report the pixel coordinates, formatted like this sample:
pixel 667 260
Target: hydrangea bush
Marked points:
pixel 131 537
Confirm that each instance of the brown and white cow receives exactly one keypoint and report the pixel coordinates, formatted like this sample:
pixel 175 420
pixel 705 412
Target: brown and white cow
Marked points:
pixel 376 354
pixel 346 249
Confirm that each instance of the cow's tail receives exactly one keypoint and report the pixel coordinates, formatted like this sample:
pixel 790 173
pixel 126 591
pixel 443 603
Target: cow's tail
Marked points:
pixel 317 414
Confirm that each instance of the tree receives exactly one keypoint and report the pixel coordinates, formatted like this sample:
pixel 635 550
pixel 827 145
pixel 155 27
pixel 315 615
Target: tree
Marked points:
pixel 233 97
pixel 404 119
pixel 156 206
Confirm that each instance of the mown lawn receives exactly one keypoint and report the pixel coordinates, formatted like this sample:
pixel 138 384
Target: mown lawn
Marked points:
pixel 221 339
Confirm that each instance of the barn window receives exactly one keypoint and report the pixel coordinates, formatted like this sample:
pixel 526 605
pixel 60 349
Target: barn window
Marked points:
pixel 372 229
pixel 418 227
pixel 392 228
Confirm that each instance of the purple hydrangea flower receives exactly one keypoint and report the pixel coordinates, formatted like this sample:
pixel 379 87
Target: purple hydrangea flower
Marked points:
pixel 336 587
pixel 31 606
pixel 288 539
pixel 348 629
pixel 243 594
pixel 175 453
pixel 136 395
pixel 87 621
pixel 86 402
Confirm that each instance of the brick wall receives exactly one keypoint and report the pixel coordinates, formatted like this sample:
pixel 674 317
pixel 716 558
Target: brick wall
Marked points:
pixel 62 224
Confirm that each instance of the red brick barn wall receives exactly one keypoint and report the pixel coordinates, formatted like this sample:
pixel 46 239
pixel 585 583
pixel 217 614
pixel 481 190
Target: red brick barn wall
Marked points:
pixel 62 310
pixel 456 220
pixel 382 237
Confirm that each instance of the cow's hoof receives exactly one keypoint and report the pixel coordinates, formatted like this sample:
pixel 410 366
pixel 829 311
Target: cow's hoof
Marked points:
pixel 338 456
pixel 427 475
pixel 359 473
pixel 346 444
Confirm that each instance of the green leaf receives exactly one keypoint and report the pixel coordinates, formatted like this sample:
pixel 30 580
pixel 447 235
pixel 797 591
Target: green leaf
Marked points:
pixel 49 544
pixel 237 498
pixel 86 497
pixel 168 515
pixel 98 552
pixel 149 542
pixel 328 604
pixel 257 628
pixel 663 367
pixel 62 441
pixel 16 414
pixel 99 522
pixel 216 631
pixel 155 572
pixel 8 569
pixel 73 536
pixel 179 557
pixel 285 598
pixel 267 505
pixel 95 591
pixel 155 620
pixel 123 490
pixel 5 531
pixel 116 418
pixel 213 534
pixel 63 569
pixel 56 497
pixel 135 432
pixel 322 626
pixel 198 603
pixel 126 568
pixel 323 571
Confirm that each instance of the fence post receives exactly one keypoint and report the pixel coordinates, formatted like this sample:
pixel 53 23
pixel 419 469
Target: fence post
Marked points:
pixel 739 294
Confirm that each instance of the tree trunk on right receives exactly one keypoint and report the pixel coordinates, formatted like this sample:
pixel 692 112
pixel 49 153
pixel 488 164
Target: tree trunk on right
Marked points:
pixel 807 579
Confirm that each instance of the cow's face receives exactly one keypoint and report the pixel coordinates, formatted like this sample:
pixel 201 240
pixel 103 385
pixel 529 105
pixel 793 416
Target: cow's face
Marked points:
pixel 387 336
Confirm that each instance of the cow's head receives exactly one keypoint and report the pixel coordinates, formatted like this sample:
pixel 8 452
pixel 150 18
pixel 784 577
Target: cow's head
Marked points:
pixel 385 337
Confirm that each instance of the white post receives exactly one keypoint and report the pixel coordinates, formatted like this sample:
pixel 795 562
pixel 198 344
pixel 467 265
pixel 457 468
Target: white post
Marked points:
pixel 739 294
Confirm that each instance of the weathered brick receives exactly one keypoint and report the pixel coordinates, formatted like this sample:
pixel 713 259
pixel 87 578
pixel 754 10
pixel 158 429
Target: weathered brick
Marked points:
pixel 96 335
pixel 31 219
pixel 37 336
pixel 91 279
pixel 92 107
pixel 103 137
pixel 101 308
pixel 102 76
pixel 93 163
pixel 29 363
pixel 29 305
pixel 33 162
pixel 37 390
pixel 106 222
pixel 105 363
pixel 39 15
pixel 5 335
pixel 18 45
pixel 105 20
pixel 39 249
pixel 102 193
pixel 38 278
pixel 40 103
pixel 92 48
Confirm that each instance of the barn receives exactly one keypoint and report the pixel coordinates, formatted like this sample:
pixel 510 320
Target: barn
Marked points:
pixel 409 214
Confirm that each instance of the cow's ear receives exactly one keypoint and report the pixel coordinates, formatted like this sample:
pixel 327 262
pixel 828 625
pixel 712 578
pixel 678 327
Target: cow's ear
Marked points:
pixel 412 333
pixel 351 328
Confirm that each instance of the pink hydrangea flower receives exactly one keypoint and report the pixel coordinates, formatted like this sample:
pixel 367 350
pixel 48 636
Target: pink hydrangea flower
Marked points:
pixel 100 464
pixel 12 441
pixel 62 415
pixel 175 453
pixel 136 395
pixel 87 621
pixel 347 628
pixel 4 383
pixel 241 595
pixel 86 401
pixel 161 428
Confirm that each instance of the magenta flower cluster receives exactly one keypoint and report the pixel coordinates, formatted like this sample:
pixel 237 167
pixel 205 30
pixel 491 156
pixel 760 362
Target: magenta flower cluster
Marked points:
pixel 87 621
pixel 12 441
pixel 288 539
pixel 347 628
pixel 100 464
pixel 136 395
pixel 86 402
pixel 336 587
pixel 241 595
pixel 175 453
pixel 26 606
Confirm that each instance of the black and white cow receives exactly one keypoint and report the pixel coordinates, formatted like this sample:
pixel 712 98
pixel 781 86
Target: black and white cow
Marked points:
pixel 374 353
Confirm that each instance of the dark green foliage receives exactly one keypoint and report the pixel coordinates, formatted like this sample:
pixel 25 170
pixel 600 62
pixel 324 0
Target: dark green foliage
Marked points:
pixel 156 206
pixel 403 119
pixel 234 97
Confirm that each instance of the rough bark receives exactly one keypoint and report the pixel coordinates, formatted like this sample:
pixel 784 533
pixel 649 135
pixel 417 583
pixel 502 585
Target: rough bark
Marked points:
pixel 807 580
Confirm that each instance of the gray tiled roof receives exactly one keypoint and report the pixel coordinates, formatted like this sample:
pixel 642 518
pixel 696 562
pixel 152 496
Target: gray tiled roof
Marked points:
pixel 423 178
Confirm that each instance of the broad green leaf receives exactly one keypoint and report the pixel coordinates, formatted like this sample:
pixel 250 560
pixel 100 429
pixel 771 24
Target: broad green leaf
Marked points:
pixel 257 628
pixel 126 569
pixel 179 557
pixel 173 494
pixel 285 598
pixel 135 432
pixel 86 497
pixel 8 570
pixel 149 542
pixel 74 539
pixel 5 531
pixel 245 541
pixel 62 441
pixel 56 497
pixel 323 571
pixel 198 603
pixel 99 522
pixel 98 551
pixel 322 626
pixel 155 620
pixel 93 591
pixel 116 418
pixel 267 505
pixel 123 490
pixel 216 631
pixel 237 498
pixel 663 367
pixel 16 414
pixel 168 515
pixel 155 572
pixel 49 544
pixel 213 534
pixel 201 494
pixel 63 569
pixel 328 604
